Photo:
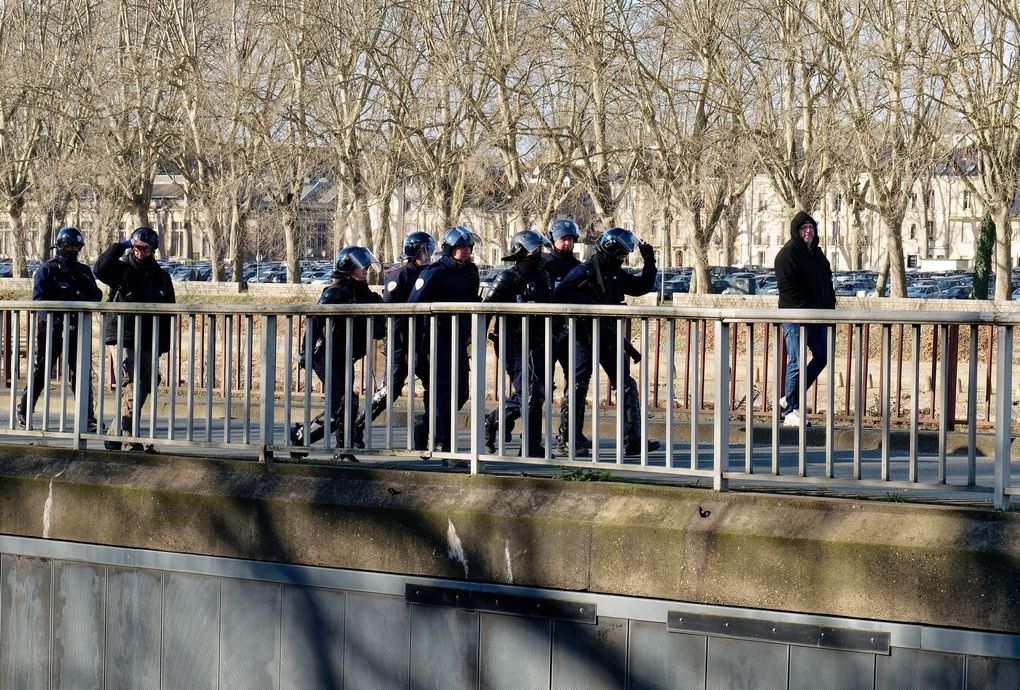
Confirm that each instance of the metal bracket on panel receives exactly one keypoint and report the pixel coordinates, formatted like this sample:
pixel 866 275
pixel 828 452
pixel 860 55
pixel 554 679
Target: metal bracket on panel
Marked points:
pixel 509 604
pixel 801 634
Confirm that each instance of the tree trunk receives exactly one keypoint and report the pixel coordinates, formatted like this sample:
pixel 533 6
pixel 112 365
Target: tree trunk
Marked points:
pixel 214 234
pixel 14 212
pixel 290 239
pixel 883 275
pixel 1003 260
pixel 894 256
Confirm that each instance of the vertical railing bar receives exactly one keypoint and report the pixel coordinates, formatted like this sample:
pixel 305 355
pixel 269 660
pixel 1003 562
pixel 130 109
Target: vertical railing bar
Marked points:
pixel 479 323
pixel 830 402
pixel 596 350
pixel 859 398
pixel 209 333
pixel 348 390
pixel 454 379
pixel 525 391
pixel 48 362
pixel 192 361
pixel 749 402
pixel 327 383
pixel 693 355
pixel 309 353
pixel 173 376
pixel 886 375
pixel 802 401
pixel 228 377
pixel 571 391
pixel 972 372
pixel 943 413
pixel 65 368
pixel 915 403
pixel 549 378
pixel 620 394
pixel 100 387
pixel 501 385
pixel 643 385
pixel 249 368
pixel 670 392
pixel 779 386
pixel 83 377
pixel 1003 417
pixel 721 426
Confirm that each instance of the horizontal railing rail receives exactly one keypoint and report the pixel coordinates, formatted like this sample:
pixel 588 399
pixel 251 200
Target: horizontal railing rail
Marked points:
pixel 908 399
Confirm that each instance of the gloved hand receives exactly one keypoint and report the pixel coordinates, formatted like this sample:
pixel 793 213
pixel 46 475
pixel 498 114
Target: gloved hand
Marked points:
pixel 647 251
pixel 301 360
pixel 126 243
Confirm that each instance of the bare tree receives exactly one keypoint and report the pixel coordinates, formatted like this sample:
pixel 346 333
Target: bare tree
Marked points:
pixel 224 93
pixel 132 99
pixel 680 68
pixel 891 94
pixel 983 65
pixel 787 114
pixel 38 41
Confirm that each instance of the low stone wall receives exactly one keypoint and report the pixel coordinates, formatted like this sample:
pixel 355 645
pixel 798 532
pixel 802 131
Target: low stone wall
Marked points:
pixel 890 561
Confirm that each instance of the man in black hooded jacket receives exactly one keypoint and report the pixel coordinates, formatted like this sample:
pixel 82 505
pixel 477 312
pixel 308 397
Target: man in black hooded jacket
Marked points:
pixel 805 282
pixel 136 277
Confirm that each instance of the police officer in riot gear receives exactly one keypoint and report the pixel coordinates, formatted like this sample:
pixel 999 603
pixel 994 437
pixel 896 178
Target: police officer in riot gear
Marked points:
pixel 349 286
pixel 453 278
pixel 131 271
pixel 526 281
pixel 602 280
pixel 560 261
pixel 397 286
pixel 61 279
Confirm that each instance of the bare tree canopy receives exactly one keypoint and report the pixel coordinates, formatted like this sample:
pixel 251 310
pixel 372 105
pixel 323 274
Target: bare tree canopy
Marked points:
pixel 404 115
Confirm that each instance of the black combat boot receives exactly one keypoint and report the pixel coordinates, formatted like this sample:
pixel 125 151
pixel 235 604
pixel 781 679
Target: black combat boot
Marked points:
pixel 582 446
pixel 632 422
pixel 379 402
pixel 492 427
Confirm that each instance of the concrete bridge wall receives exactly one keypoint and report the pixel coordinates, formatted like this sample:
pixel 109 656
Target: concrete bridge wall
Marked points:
pixel 918 564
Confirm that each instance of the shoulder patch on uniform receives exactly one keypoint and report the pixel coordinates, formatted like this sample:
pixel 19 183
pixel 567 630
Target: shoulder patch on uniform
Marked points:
pixel 419 283
pixel 391 286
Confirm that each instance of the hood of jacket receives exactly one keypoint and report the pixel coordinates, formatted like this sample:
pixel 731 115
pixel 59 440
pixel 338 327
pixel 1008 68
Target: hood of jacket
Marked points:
pixel 798 220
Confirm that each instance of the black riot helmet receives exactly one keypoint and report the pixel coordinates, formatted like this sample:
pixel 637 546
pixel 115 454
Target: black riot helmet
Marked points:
pixel 417 244
pixel 616 243
pixel 146 235
pixel 564 228
pixel 69 241
pixel 350 258
pixel 524 244
pixel 457 236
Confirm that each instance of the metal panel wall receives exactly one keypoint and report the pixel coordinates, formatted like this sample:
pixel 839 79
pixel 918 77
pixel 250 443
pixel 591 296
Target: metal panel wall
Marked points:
pixel 24 622
pixel 133 627
pixel 512 647
pixel 312 638
pixel 376 641
pixel 661 659
pixel 191 631
pixel 444 648
pixel 250 634
pixel 66 624
pixel 79 611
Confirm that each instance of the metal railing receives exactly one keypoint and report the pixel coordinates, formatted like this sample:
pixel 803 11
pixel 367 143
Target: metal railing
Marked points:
pixel 884 411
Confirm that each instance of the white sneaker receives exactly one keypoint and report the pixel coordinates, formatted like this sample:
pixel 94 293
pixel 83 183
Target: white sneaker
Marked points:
pixel 793 419
pixel 782 403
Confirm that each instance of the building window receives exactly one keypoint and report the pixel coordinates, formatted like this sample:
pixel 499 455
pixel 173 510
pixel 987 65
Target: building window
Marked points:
pixel 913 231
pixel 763 205
pixel 913 200
pixel 837 202
pixel 966 201
pixel 912 261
